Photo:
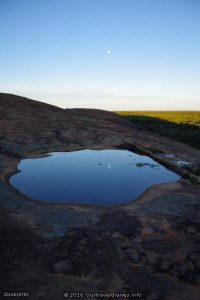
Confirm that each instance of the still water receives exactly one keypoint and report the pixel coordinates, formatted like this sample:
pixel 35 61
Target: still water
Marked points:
pixel 101 177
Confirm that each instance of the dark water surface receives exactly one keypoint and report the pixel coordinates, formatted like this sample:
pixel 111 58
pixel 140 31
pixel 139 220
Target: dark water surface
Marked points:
pixel 107 177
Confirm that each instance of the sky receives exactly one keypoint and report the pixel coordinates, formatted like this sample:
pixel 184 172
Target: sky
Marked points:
pixel 108 54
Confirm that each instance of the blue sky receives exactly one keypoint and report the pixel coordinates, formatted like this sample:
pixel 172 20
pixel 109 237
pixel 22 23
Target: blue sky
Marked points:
pixel 56 51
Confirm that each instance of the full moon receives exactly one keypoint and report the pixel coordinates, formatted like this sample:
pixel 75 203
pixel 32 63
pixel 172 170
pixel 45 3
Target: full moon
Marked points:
pixel 108 51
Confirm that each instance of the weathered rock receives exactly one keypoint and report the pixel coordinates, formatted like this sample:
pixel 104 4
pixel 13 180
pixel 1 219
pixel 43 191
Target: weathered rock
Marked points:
pixel 51 249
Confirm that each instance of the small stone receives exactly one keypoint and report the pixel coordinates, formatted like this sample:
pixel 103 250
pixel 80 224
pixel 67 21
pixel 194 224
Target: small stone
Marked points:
pixel 116 234
pixel 165 265
pixel 133 255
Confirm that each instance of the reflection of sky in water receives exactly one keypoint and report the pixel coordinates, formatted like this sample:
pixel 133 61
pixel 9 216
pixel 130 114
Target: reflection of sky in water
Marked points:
pixel 89 177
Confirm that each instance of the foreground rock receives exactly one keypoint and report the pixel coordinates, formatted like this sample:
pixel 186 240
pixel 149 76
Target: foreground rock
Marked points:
pixel 149 246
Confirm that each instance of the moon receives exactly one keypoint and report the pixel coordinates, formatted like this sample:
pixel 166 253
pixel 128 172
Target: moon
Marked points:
pixel 108 52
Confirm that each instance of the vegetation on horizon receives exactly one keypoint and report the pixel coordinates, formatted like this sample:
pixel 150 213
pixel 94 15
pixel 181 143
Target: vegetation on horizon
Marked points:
pixel 183 126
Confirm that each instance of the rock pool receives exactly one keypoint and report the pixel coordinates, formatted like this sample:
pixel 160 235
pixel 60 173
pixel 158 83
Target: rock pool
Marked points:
pixel 97 177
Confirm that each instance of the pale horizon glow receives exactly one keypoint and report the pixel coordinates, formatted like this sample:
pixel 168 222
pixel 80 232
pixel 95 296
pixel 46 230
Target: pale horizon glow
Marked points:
pixel 116 55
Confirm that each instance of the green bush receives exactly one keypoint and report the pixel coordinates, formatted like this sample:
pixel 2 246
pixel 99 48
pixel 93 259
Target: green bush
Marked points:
pixel 180 126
